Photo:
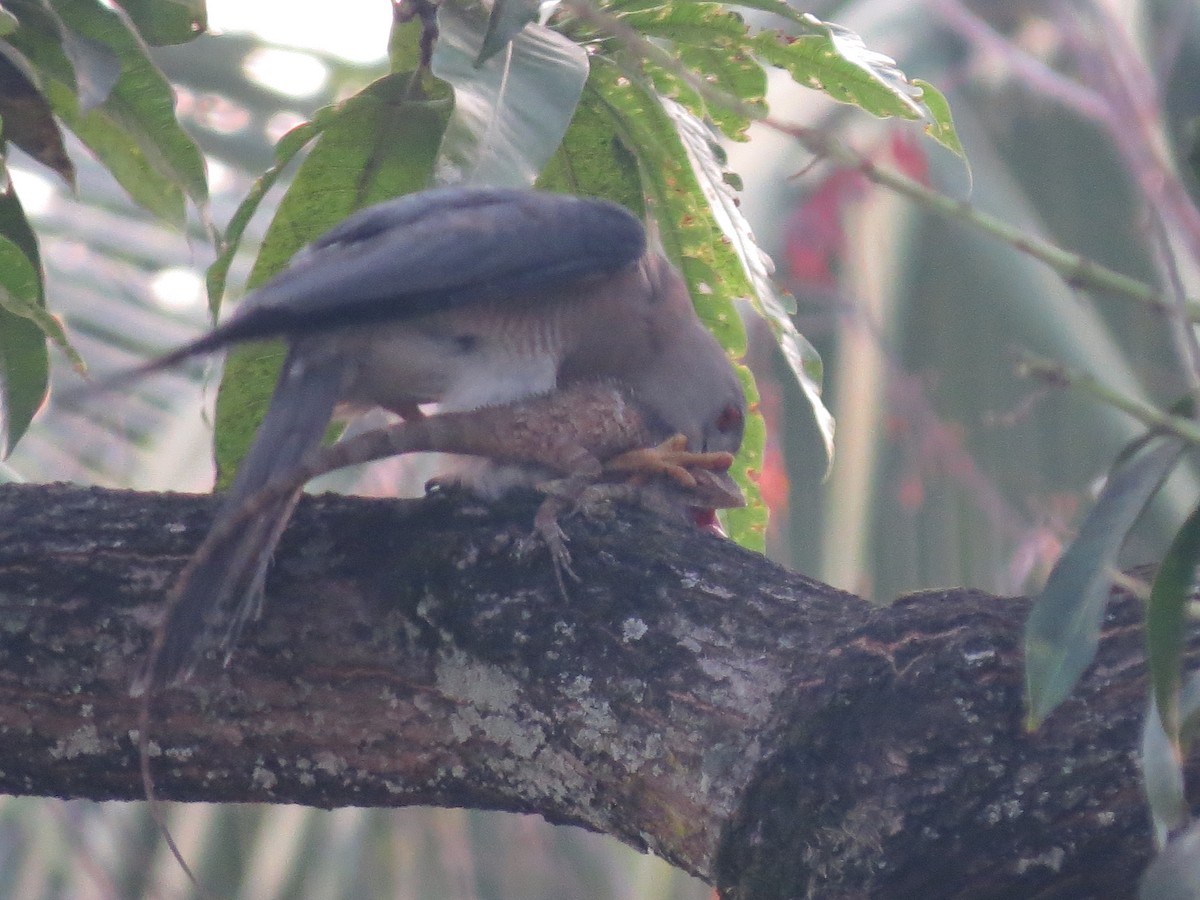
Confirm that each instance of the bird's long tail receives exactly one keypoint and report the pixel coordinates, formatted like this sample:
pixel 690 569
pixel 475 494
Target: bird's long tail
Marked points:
pixel 210 604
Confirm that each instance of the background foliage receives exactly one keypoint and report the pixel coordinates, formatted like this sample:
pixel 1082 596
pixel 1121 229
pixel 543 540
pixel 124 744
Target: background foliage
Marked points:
pixel 951 467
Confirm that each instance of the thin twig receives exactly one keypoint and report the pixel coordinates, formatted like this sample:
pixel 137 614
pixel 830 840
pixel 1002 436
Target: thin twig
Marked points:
pixel 1149 415
pixel 1076 269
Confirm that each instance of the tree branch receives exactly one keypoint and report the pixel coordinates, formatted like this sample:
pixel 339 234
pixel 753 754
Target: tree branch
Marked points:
pixel 760 730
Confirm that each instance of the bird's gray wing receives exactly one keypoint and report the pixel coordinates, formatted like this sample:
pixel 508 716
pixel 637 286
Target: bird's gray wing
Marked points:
pixel 434 250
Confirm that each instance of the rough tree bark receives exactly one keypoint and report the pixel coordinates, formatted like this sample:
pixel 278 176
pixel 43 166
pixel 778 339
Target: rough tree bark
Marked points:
pixel 763 731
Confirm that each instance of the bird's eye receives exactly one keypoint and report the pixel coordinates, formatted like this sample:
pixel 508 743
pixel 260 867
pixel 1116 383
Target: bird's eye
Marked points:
pixel 728 419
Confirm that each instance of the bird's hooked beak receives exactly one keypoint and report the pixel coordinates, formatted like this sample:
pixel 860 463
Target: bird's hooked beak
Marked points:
pixel 714 490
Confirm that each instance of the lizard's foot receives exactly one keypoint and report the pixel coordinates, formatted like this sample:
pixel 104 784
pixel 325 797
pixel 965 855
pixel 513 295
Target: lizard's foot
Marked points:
pixel 548 531
pixel 667 479
pixel 671 459
pixel 568 497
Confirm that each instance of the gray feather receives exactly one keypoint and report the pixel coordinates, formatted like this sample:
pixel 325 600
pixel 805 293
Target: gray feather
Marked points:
pixel 214 600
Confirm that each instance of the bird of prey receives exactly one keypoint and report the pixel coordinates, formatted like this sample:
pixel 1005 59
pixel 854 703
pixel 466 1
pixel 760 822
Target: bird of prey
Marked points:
pixel 464 298
pixel 591 434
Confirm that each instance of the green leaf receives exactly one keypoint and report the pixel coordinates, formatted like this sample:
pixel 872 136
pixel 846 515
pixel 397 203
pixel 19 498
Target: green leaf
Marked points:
pixel 624 145
pixel 686 227
pixel 592 162
pixel 21 294
pixel 247 383
pixel 778 7
pixel 1162 776
pixel 511 113
pixel 692 237
pixel 748 525
pixel 285 151
pixel 14 225
pixel 834 60
pixel 40 40
pixel 22 285
pixel 378 144
pixel 133 130
pixel 941 129
pixel 97 69
pixel 507 19
pixel 24 374
pixel 692 25
pixel 708 164
pixel 167 21
pixel 8 22
pixel 1165 621
pixel 1063 629
pixel 28 120
pixel 1161 763
pixel 712 42
pixel 24 361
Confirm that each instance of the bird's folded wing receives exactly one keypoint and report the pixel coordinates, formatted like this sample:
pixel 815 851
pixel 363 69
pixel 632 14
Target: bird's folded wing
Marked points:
pixel 440 249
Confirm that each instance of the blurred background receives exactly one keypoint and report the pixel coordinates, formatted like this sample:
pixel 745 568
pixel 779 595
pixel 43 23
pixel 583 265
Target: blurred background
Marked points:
pixel 1080 124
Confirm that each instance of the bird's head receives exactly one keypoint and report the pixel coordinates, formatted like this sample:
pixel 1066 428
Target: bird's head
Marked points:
pixel 687 383
pixel 697 394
